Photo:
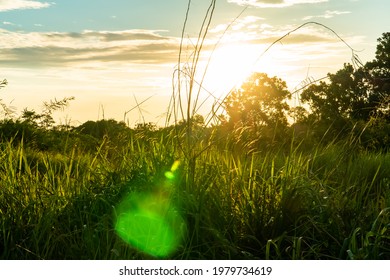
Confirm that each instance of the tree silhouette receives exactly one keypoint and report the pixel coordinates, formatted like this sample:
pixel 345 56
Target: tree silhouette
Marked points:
pixel 379 77
pixel 257 112
pixel 345 96
pixel 354 99
pixel 354 94
pixel 7 110
pixel 261 101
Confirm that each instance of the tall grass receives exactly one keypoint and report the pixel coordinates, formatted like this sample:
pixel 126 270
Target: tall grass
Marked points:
pixel 318 202
pixel 314 204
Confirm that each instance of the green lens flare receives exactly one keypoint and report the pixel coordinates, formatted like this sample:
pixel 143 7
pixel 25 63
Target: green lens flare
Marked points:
pixel 175 165
pixel 150 223
pixel 169 175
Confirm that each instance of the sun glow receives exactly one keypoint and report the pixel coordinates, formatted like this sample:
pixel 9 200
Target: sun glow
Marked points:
pixel 229 66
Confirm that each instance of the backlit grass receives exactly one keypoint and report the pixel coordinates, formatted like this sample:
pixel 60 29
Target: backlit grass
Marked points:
pixel 317 204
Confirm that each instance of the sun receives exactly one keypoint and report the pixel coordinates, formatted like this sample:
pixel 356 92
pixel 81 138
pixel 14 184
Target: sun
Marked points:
pixel 228 67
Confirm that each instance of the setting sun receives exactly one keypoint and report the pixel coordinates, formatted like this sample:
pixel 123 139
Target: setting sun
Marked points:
pixel 154 132
pixel 229 66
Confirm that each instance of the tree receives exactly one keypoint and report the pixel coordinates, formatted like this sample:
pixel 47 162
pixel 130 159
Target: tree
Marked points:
pixel 111 128
pixel 7 110
pixel 354 100
pixel 379 77
pixel 50 107
pixel 354 94
pixel 45 118
pixel 3 83
pixel 30 117
pixel 257 112
pixel 261 101
pixel 344 97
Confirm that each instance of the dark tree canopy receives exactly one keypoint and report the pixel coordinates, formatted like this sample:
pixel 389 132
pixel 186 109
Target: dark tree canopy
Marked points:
pixel 354 100
pixel 261 101
pixel 354 94
pixel 257 112
pixel 379 76
pixel 345 96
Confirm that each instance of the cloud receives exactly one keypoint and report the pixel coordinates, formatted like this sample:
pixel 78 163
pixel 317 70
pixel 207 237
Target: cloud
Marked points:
pixel 65 56
pixel 264 33
pixel 248 22
pixel 294 39
pixel 55 49
pixel 327 14
pixel 109 36
pixel 121 48
pixel 8 5
pixel 274 3
pixel 219 28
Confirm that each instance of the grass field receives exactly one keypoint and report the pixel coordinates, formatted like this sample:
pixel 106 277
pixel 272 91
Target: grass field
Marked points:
pixel 253 190
pixel 327 202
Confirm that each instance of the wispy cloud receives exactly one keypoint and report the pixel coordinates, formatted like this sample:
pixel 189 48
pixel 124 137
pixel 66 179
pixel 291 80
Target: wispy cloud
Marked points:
pixel 274 3
pixel 8 5
pixel 253 30
pixel 248 22
pixel 36 49
pixel 88 36
pixel 327 14
pixel 219 28
pixel 148 47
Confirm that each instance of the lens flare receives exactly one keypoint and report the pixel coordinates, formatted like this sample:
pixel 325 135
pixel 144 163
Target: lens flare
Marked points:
pixel 150 222
pixel 175 165
pixel 170 175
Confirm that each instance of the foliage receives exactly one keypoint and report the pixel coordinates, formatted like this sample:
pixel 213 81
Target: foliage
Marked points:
pixel 321 203
pixel 8 111
pixel 344 97
pixel 258 110
pixel 312 196
pixel 45 118
pixel 3 83
pixel 100 129
pixel 379 76
pixel 353 101
pixel 261 100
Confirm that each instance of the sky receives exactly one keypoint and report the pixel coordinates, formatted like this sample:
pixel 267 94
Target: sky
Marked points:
pixel 112 55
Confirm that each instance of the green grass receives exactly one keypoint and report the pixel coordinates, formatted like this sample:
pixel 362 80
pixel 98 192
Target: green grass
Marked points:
pixel 323 203
pixel 256 200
